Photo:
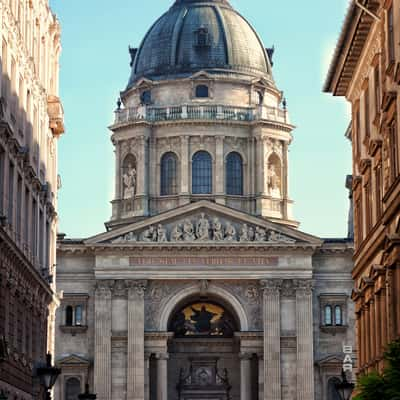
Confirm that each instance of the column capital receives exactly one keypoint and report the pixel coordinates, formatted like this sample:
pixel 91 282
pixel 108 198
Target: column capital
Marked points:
pixel 136 288
pixel 245 356
pixel 119 289
pixel 271 286
pixel 103 288
pixel 303 286
pixel 161 356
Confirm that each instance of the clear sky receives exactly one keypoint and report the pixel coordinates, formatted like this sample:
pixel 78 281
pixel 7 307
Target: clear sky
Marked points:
pixel 95 68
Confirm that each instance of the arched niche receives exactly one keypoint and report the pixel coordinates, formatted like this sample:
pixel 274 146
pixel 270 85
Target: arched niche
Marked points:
pixel 129 176
pixel 72 388
pixel 274 176
pixel 215 294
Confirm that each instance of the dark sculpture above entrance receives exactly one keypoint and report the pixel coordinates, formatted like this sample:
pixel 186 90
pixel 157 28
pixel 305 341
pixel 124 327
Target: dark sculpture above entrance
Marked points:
pixel 203 319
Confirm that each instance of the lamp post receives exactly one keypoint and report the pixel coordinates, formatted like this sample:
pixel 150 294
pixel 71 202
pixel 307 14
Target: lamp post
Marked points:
pixel 344 388
pixel 48 376
pixel 86 395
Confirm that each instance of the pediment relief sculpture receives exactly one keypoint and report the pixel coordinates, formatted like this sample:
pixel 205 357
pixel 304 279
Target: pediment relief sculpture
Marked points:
pixel 205 228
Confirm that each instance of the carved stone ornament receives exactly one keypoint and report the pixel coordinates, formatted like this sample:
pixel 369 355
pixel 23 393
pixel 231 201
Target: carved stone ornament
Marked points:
pixel 303 286
pixel 271 286
pixel 205 229
pixel 288 288
pixel 103 288
pixel 137 288
pixel 119 289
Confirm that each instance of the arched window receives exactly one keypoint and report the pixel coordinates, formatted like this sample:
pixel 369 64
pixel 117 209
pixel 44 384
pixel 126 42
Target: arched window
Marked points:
pixel 260 98
pixel 169 177
pixel 328 315
pixel 69 316
pixel 72 389
pixel 202 173
pixel 202 91
pixel 78 315
pixel 145 97
pixel 338 316
pixel 234 174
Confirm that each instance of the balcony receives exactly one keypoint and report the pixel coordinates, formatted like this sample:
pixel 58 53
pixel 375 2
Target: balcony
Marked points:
pixel 200 112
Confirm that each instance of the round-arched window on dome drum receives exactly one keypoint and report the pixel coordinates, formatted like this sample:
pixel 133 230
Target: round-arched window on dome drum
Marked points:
pixel 202 173
pixel 169 178
pixel 203 319
pixel 234 174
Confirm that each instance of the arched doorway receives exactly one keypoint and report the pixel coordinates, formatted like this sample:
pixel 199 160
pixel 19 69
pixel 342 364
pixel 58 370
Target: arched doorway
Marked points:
pixel 203 353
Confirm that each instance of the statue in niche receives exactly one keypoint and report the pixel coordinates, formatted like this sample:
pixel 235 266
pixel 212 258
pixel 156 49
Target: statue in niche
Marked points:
pixel 261 234
pixel 129 178
pixel 202 319
pixel 177 233
pixel 244 233
pixel 161 234
pixel 203 228
pixel 150 235
pixel 218 231
pixel 230 232
pixel 274 181
pixel 188 231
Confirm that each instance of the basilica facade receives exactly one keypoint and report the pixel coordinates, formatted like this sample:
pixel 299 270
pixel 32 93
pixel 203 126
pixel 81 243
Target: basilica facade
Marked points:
pixel 202 286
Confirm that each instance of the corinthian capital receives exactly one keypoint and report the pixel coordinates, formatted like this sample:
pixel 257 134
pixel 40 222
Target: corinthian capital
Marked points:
pixel 103 288
pixel 271 286
pixel 137 288
pixel 303 286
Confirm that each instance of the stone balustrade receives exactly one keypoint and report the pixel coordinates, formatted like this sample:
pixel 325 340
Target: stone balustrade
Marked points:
pixel 199 112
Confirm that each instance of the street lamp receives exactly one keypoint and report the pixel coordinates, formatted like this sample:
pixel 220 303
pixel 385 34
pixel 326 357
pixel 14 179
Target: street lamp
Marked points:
pixel 86 395
pixel 344 388
pixel 48 376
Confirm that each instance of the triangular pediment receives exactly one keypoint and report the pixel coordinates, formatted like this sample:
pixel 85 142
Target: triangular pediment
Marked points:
pixel 201 75
pixel 204 222
pixel 331 361
pixel 73 360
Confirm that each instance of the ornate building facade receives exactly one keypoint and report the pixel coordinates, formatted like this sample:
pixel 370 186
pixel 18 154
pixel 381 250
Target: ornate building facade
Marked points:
pixel 31 120
pixel 366 70
pixel 202 287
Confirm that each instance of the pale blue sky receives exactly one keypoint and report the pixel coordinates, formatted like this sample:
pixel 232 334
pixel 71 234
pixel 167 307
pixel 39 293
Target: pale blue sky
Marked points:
pixel 95 67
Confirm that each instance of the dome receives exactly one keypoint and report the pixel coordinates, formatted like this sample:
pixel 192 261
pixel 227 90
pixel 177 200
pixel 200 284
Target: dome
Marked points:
pixel 196 35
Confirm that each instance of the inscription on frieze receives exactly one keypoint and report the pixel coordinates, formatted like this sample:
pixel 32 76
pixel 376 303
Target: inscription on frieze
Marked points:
pixel 205 261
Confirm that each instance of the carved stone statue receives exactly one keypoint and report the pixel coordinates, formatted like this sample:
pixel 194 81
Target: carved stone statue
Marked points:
pixel 188 231
pixel 203 228
pixel 244 233
pixel 274 182
pixel 161 234
pixel 251 234
pixel 177 233
pixel 129 179
pixel 230 232
pixel 218 231
pixel 261 234
pixel 150 235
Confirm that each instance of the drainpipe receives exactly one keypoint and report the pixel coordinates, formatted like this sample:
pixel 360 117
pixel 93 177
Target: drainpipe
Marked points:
pixel 365 9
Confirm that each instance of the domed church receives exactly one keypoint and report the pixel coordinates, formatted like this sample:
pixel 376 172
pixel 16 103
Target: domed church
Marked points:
pixel 202 287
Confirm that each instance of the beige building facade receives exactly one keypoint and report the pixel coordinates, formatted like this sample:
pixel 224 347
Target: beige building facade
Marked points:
pixel 202 287
pixel 31 121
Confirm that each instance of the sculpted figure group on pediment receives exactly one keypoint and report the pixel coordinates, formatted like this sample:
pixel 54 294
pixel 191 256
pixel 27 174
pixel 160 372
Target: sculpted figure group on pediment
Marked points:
pixel 205 229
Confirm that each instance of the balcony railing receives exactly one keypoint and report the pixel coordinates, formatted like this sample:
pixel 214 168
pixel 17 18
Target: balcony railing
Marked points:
pixel 199 112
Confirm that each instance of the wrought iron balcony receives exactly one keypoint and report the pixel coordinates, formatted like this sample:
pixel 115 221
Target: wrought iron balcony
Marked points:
pixel 199 112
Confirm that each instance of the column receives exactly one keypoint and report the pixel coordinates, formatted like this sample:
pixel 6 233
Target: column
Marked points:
pixel 118 169
pixel 260 376
pixel 142 190
pixel 272 339
pixel 102 340
pixel 154 169
pixel 162 376
pixel 245 376
pixel 305 353
pixel 285 174
pixel 147 376
pixel 136 367
pixel 219 168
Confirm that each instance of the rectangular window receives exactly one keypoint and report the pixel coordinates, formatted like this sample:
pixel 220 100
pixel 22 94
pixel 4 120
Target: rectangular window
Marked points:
pixel 2 176
pixel 19 209
pixel 356 133
pixel 34 229
pixel 26 218
pixel 378 191
pixel 359 226
pixel 390 33
pixel 41 240
pixel 366 113
pixel 393 149
pixel 11 193
pixel 377 90
pixel 4 89
pixel 368 207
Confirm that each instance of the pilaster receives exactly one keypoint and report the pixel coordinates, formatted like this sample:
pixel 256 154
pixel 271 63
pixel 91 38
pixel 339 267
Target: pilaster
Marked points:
pixel 245 376
pixel 136 367
pixel 185 165
pixel 102 340
pixel 219 168
pixel 272 338
pixel 304 328
pixel 162 375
